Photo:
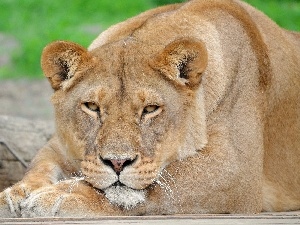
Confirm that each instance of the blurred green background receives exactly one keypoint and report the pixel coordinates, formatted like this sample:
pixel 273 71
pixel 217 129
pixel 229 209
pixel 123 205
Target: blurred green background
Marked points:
pixel 26 26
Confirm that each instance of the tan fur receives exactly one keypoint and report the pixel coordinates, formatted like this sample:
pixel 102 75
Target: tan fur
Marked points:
pixel 200 101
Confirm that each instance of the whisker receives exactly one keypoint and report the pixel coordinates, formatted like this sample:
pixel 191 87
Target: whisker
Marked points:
pixel 164 185
pixel 169 175
pixel 75 182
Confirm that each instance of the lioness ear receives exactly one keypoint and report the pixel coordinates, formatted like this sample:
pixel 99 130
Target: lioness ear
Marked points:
pixel 182 61
pixel 60 60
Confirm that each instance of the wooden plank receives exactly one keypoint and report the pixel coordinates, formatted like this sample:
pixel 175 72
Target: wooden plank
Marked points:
pixel 264 218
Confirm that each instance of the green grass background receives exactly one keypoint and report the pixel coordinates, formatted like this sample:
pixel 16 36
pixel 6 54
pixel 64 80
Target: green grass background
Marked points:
pixel 28 25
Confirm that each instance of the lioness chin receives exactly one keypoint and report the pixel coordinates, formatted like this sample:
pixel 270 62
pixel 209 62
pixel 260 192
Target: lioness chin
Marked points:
pixel 186 108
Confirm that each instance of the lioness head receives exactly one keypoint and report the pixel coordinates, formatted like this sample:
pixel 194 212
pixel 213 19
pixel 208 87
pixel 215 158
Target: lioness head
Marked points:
pixel 124 110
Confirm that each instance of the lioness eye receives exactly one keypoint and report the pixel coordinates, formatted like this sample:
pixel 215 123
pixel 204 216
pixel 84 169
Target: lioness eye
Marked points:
pixel 150 109
pixel 92 106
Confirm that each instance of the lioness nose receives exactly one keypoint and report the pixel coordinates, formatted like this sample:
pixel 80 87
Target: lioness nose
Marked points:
pixel 118 164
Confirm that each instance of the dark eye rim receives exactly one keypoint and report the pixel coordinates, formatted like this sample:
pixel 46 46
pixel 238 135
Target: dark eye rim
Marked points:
pixel 145 112
pixel 94 110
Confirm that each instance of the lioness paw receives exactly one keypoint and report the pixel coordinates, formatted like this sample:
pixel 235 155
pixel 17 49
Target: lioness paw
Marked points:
pixel 45 202
pixel 4 206
pixel 11 198
pixel 65 199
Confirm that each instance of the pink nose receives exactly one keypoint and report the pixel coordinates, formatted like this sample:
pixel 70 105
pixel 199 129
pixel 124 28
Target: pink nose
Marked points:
pixel 118 164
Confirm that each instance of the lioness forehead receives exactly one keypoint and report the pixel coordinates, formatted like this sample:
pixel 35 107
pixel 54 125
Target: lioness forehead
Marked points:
pixel 120 71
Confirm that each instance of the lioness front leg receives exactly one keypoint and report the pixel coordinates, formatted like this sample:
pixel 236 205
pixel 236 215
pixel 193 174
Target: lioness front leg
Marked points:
pixel 12 197
pixel 68 198
pixel 42 173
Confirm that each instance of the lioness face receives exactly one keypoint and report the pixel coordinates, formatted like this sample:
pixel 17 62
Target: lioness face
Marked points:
pixel 127 119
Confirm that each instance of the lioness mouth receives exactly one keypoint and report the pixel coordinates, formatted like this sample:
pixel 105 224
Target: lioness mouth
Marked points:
pixel 123 196
pixel 118 183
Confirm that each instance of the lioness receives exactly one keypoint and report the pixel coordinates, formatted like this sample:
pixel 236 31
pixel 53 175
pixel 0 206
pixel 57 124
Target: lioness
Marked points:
pixel 186 108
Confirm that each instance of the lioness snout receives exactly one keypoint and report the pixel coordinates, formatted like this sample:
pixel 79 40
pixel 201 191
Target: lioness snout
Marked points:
pixel 117 164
